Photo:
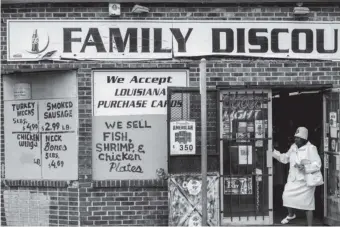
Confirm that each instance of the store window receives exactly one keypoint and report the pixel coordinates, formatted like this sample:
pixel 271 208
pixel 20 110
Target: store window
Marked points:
pixel 41 126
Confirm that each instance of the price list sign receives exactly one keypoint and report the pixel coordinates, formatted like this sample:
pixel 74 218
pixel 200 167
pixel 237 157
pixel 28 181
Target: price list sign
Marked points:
pixel 58 138
pixel 22 146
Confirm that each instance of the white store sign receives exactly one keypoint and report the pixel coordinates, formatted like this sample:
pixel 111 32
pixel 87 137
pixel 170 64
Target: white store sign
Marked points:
pixel 183 137
pixel 34 40
pixel 128 92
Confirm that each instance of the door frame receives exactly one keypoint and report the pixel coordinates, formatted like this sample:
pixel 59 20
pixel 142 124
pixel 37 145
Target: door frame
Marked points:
pixel 336 89
pixel 250 220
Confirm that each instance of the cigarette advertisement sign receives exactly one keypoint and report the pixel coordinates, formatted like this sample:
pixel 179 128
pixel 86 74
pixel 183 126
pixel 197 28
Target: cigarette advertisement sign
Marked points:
pixel 183 137
pixel 135 92
pixel 34 40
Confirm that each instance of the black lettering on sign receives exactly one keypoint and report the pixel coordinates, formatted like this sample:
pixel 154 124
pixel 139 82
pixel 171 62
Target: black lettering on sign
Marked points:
pixel 93 38
pixel 164 103
pixel 137 124
pixel 181 40
pixel 68 39
pixel 320 36
pixel 116 38
pixel 58 110
pixel 145 40
pixel 49 155
pixel 140 92
pixel 115 136
pixel 151 80
pixel 229 41
pixel 158 40
pixel 240 41
pixel 115 79
pixel 118 150
pixel 56 164
pixel 115 147
pixel 19 121
pixel 24 109
pixel 114 125
pixel 296 33
pixel 122 104
pixel 50 147
pixel 117 167
pixel 53 146
pixel 55 126
pixel 275 40
pixel 255 39
pixel 119 157
pixel 29 140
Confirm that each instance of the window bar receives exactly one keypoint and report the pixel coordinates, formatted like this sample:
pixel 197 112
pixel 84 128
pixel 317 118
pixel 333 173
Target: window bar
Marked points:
pixel 246 108
pixel 169 118
pixel 265 134
pixel 238 166
pixel 253 144
pixel 182 104
pixel 230 162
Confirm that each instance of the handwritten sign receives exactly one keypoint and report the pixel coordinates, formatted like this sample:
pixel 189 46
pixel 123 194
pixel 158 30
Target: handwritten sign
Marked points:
pixel 183 137
pixel 58 126
pixel 135 92
pixel 128 147
pixel 41 139
pixel 22 146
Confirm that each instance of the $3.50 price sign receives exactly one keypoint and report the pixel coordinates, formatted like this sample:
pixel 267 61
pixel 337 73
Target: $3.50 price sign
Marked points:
pixel 183 137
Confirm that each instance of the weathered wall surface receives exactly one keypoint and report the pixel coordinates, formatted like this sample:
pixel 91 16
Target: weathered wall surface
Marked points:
pixel 141 202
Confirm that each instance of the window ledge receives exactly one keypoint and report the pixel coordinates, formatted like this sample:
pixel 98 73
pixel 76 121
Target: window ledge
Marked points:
pixel 36 183
pixel 130 183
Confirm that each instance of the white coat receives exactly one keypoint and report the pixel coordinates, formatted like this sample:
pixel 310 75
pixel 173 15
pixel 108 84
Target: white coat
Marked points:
pixel 296 193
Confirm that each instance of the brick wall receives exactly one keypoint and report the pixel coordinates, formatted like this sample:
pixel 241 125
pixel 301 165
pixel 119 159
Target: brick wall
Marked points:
pixel 145 202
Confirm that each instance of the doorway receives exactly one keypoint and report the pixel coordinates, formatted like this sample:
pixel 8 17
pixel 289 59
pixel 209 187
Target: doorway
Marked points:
pixel 291 110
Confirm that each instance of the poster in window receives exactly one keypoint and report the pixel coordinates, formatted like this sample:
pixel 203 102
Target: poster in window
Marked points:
pixel 242 137
pixel 326 143
pixel 334 132
pixel 183 137
pixel 332 119
pixel 245 155
pixel 259 129
pixel 238 186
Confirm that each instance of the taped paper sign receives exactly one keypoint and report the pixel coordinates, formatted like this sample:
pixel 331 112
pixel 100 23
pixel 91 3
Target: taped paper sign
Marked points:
pixel 326 143
pixel 332 119
pixel 259 128
pixel 245 155
pixel 238 186
pixel 183 137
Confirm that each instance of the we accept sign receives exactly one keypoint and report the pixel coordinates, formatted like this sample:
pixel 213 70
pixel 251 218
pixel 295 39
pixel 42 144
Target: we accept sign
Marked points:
pixel 32 40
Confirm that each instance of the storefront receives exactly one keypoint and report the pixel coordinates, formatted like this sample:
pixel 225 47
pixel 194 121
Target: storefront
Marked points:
pixel 101 118
pixel 246 121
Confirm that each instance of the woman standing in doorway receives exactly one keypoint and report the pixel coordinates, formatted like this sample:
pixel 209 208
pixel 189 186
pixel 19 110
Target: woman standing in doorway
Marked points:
pixel 297 195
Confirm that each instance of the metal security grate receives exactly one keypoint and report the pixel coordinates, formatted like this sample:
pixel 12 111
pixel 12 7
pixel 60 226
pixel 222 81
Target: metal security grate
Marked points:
pixel 244 150
pixel 185 104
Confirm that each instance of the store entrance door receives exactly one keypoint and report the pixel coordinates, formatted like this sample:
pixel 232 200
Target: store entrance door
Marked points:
pixel 245 160
pixel 292 109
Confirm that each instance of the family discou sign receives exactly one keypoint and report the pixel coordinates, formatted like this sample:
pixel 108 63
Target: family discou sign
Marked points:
pixel 107 40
